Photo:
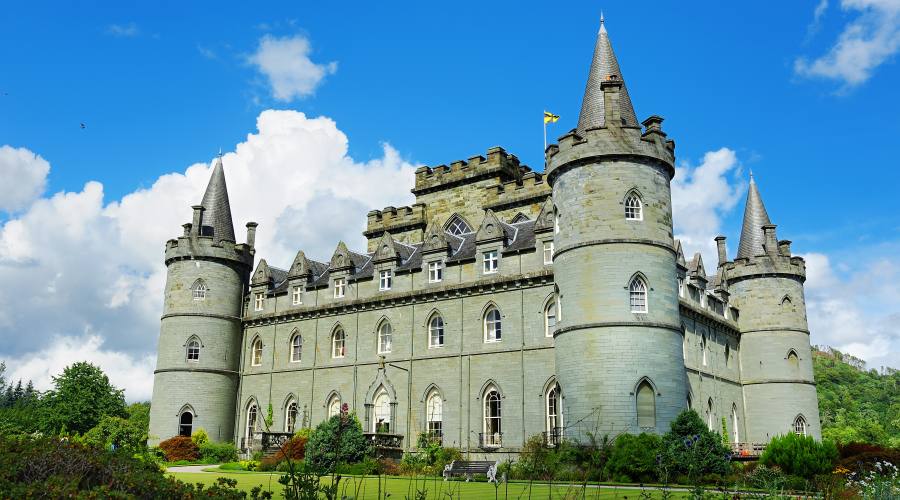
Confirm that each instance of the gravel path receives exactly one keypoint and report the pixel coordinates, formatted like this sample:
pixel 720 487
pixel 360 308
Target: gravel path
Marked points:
pixel 191 468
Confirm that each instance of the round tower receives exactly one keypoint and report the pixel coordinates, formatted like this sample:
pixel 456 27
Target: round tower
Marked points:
pixel 766 284
pixel 198 357
pixel 619 343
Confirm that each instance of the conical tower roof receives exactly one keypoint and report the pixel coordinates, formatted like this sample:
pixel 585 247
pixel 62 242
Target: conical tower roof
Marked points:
pixel 755 217
pixel 603 67
pixel 216 208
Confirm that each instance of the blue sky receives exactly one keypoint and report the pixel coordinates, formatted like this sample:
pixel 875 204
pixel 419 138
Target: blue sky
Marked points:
pixel 786 87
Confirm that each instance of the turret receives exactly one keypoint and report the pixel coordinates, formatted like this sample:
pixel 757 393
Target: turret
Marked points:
pixel 196 378
pixel 766 283
pixel 618 344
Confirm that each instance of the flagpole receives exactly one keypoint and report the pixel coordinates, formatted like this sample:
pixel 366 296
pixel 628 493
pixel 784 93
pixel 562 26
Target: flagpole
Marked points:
pixel 544 119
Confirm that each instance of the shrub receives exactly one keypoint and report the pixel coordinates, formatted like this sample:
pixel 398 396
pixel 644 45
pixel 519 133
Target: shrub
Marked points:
pixel 800 455
pixel 115 433
pixel 634 458
pixel 766 478
pixel 180 448
pixel 200 437
pixel 336 440
pixel 690 449
pixel 217 453
pixel 862 457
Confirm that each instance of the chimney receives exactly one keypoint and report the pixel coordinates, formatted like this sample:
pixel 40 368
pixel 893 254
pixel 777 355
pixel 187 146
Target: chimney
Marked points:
pixel 251 234
pixel 611 87
pixel 198 220
pixel 187 228
pixel 771 244
pixel 784 247
pixel 720 246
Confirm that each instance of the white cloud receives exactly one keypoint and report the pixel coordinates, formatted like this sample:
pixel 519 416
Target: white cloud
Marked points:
pixel 123 30
pixel 868 41
pixel 286 64
pixel 858 313
pixel 24 176
pixel 818 14
pixel 89 272
pixel 701 196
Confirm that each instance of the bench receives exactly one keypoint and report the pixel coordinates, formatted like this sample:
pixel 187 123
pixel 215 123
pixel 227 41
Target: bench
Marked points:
pixel 470 468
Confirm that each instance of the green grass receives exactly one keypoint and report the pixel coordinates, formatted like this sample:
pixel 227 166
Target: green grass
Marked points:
pixel 404 487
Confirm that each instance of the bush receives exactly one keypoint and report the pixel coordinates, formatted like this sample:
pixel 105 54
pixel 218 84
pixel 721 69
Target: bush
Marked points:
pixel 800 456
pixel 766 478
pixel 54 468
pixel 634 458
pixel 861 457
pixel 115 433
pixel 690 449
pixel 217 453
pixel 200 437
pixel 180 448
pixel 334 441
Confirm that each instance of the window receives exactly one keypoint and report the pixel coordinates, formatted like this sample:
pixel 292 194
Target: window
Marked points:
pixel 556 216
pixel 491 438
pixel 492 325
pixel 297 296
pixel 703 348
pixel 435 271
pixel 185 424
pixel 434 415
pixel 198 290
pixel 193 351
pixel 339 285
pixel 554 416
pixel 709 414
pixel 290 417
pixel 260 302
pixel 550 317
pixel 382 413
pixel 296 348
pixel 334 406
pixel 436 331
pixel 384 338
pixel 800 425
pixel 252 423
pixel 793 359
pixel 633 209
pixel 646 405
pixel 638 294
pixel 386 280
pixel 681 287
pixel 256 355
pixel 548 252
pixel 338 343
pixel 491 262
pixel 735 435
pixel 457 225
pixel 727 353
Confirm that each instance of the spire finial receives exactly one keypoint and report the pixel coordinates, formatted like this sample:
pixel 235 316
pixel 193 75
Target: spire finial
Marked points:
pixel 751 175
pixel 220 152
pixel 602 27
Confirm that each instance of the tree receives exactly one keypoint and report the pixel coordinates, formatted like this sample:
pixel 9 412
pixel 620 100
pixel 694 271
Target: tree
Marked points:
pixel 690 448
pixel 81 397
pixel 338 440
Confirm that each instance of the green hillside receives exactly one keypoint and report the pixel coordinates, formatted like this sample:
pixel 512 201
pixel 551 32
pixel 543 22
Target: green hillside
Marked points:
pixel 857 405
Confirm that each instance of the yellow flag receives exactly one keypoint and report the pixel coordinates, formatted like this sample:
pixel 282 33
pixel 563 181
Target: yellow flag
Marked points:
pixel 550 117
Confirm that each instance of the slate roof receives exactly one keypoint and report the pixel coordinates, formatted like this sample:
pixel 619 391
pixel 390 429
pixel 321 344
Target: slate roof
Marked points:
pixel 755 217
pixel 603 66
pixel 217 209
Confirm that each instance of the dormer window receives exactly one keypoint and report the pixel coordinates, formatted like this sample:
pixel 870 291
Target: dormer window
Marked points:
pixel 633 207
pixel 340 284
pixel 297 295
pixel 491 261
pixel 259 302
pixel 386 280
pixel 435 271
pixel 548 252
pixel 457 225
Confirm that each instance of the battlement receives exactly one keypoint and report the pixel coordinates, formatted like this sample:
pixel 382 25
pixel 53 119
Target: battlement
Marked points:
pixel 531 187
pixel 395 219
pixel 204 247
pixel 498 162
pixel 774 264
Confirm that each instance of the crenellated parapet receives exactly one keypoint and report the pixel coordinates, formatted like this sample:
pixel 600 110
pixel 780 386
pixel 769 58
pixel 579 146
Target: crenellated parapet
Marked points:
pixel 407 223
pixel 532 188
pixel 777 261
pixel 497 163
pixel 205 247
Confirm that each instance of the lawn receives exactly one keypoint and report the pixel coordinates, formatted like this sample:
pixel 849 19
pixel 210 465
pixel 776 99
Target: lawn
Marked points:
pixel 401 487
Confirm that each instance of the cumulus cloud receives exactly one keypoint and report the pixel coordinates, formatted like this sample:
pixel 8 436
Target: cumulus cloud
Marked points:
pixel 857 311
pixel 128 30
pixel 871 39
pixel 24 176
pixel 89 273
pixel 286 65
pixel 701 196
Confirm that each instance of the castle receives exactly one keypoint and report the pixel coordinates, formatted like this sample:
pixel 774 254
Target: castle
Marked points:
pixel 503 304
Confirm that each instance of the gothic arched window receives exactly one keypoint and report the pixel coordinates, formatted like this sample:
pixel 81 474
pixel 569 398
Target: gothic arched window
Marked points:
pixel 637 291
pixel 709 414
pixel 735 435
pixel 334 406
pixel 296 347
pixel 185 423
pixel 646 405
pixel 252 423
pixel 491 437
pixel 434 415
pixel 633 207
pixel 338 343
pixel 385 338
pixel 436 331
pixel 554 415
pixel 457 225
pixel 290 416
pixel 550 317
pixel 193 351
pixel 492 325
pixel 256 354
pixel 382 413
pixel 800 425
pixel 198 290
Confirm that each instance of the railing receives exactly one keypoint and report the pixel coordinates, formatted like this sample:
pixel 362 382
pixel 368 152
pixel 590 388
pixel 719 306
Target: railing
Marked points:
pixel 274 440
pixel 383 440
pixel 553 437
pixel 490 439
pixel 747 451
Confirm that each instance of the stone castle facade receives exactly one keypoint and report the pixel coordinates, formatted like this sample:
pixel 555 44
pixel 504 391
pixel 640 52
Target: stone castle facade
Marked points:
pixel 504 303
